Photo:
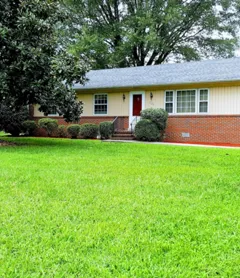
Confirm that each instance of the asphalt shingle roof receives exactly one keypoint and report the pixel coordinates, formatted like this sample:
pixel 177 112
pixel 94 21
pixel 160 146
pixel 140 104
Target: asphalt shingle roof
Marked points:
pixel 165 74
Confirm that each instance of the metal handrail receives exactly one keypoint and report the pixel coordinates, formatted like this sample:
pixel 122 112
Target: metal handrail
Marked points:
pixel 131 124
pixel 114 122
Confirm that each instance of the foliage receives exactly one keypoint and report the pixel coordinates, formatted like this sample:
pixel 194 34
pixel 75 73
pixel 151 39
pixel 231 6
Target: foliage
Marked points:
pixel 12 118
pixel 73 130
pixel 89 131
pixel 29 127
pixel 61 131
pixel 91 209
pixel 157 115
pixel 106 130
pixel 33 65
pixel 146 130
pixel 50 125
pixel 135 33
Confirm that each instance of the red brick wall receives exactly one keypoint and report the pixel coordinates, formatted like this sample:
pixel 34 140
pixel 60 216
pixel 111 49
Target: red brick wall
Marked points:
pixel 123 122
pixel 218 129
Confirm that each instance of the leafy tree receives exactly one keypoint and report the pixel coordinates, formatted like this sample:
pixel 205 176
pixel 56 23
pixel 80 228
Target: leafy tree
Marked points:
pixel 33 65
pixel 120 33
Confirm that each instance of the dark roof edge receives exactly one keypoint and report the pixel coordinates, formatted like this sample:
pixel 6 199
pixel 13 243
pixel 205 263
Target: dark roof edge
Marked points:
pixel 154 85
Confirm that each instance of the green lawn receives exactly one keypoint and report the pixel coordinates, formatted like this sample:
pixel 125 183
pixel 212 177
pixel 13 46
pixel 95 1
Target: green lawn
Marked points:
pixel 76 208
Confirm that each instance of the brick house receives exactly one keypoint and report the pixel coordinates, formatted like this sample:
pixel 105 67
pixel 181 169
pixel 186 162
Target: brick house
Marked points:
pixel 202 98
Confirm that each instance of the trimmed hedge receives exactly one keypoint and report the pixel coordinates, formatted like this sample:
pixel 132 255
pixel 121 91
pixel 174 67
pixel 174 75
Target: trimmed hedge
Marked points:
pixel 29 127
pixel 73 130
pixel 61 131
pixel 50 125
pixel 146 130
pixel 89 131
pixel 157 115
pixel 106 130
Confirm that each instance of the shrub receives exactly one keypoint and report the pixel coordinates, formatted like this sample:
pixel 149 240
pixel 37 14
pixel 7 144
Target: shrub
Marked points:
pixel 29 127
pixel 89 131
pixel 11 119
pixel 146 130
pixel 106 129
pixel 157 115
pixel 50 125
pixel 73 130
pixel 61 131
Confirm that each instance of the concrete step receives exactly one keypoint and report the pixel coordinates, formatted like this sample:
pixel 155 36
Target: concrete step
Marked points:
pixel 123 132
pixel 123 135
pixel 123 138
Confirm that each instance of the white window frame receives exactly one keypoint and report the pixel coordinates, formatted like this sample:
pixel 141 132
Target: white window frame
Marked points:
pixel 166 102
pixel 99 94
pixel 196 98
pixel 197 101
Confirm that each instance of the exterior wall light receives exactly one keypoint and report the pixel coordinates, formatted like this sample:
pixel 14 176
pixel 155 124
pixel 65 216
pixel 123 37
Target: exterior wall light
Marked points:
pixel 151 95
pixel 124 97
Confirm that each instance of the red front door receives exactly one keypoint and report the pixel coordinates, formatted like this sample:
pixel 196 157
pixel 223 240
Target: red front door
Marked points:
pixel 137 105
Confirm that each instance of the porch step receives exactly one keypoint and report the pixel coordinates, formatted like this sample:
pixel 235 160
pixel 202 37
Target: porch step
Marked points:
pixel 123 135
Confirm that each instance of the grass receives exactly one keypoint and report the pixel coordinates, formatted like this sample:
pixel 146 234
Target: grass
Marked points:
pixel 75 208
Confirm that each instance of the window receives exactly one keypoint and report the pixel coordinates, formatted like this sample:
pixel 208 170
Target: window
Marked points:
pixel 169 101
pixel 100 104
pixel 203 101
pixel 187 101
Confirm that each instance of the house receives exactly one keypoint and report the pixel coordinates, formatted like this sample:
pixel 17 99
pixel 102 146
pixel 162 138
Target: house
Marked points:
pixel 202 98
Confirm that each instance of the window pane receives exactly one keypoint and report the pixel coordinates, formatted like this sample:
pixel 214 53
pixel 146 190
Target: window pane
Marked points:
pixel 169 96
pixel 186 101
pixel 203 94
pixel 169 107
pixel 203 107
pixel 100 99
pixel 100 109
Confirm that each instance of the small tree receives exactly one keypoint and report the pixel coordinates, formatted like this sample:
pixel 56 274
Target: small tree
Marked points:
pixel 50 125
pixel 33 65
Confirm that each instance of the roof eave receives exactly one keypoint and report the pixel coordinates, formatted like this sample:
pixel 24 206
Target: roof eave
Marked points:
pixel 156 85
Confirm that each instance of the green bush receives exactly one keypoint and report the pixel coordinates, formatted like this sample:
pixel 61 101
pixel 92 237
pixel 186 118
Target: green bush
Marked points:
pixel 157 115
pixel 73 130
pixel 146 130
pixel 106 130
pixel 61 131
pixel 50 125
pixel 89 131
pixel 29 127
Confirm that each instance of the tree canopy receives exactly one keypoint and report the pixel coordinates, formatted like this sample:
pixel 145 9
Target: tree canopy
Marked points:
pixel 122 33
pixel 34 68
